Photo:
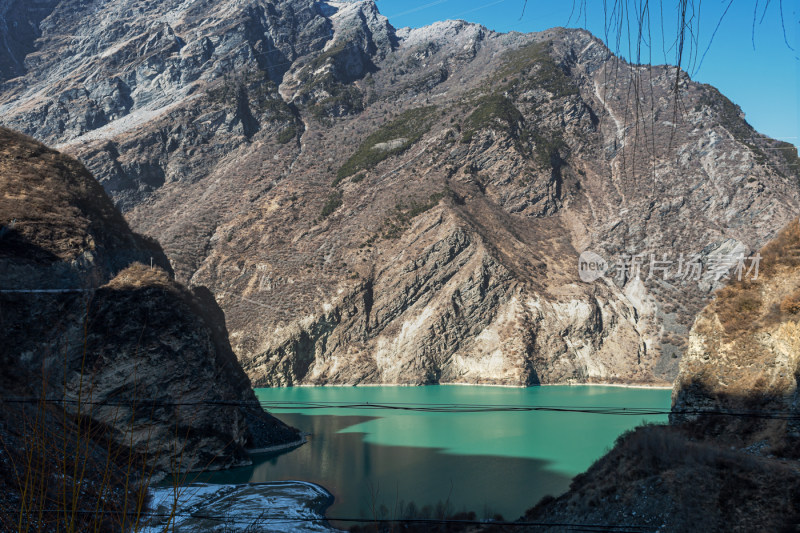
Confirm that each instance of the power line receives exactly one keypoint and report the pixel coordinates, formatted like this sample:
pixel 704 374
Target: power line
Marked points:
pixel 238 517
pixel 421 407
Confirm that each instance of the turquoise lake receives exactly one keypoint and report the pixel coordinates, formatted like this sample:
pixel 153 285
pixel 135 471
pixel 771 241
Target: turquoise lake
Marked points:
pixel 486 462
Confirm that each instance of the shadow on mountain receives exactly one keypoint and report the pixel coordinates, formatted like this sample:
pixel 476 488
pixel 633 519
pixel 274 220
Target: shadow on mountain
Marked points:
pixel 765 423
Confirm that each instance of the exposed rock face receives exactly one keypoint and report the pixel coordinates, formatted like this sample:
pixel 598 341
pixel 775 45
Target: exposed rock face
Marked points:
pixel 744 354
pixel 378 205
pixel 444 309
pixel 20 22
pixel 121 341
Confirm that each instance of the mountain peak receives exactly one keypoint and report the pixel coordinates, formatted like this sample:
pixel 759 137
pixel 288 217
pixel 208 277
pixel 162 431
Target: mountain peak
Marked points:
pixel 360 21
pixel 441 32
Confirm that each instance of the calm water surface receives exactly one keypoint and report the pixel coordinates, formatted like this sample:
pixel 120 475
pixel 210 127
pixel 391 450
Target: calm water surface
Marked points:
pixel 497 462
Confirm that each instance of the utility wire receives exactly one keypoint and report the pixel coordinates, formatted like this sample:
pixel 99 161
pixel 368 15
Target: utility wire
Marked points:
pixel 420 407
pixel 238 517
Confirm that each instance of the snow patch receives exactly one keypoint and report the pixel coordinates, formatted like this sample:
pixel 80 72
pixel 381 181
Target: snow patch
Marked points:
pixel 282 506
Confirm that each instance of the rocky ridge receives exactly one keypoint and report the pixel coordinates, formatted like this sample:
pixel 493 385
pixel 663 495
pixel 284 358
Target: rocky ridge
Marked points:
pixel 371 204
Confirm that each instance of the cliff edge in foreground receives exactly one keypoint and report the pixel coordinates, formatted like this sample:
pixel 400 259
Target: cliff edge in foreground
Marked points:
pixel 744 355
pixel 131 363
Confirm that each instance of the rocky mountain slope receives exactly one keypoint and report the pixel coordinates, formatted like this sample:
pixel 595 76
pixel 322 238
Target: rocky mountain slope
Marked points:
pixel 708 470
pixel 371 204
pixel 744 355
pixel 19 29
pixel 86 319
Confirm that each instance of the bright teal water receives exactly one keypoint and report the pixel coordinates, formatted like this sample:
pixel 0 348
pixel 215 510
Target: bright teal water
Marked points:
pixel 487 462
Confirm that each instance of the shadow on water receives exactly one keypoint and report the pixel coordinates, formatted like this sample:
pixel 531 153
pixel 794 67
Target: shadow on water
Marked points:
pixel 365 477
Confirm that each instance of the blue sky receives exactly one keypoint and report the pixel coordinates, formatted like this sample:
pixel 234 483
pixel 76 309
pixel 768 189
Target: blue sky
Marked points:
pixel 764 80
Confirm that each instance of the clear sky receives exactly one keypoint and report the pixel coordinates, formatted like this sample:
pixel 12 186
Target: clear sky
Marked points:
pixel 755 68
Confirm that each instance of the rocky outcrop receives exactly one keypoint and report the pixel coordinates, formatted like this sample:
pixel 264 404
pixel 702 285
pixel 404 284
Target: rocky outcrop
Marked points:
pixel 378 205
pixel 744 355
pixel 93 322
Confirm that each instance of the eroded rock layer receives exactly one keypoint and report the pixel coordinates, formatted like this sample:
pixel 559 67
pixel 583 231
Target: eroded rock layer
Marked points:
pixel 380 205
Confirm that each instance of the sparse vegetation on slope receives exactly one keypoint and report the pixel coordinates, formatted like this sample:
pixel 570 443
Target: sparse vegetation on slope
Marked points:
pixel 333 203
pixel 405 213
pixel 740 305
pixel 495 110
pixel 791 303
pixel 287 134
pixel 536 69
pixel 343 99
pixel 399 135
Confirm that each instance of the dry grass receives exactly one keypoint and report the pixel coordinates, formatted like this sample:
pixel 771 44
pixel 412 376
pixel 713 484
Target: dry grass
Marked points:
pixel 742 305
pixel 57 205
pixel 139 276
pixel 791 303
pixel 783 250
pixel 739 306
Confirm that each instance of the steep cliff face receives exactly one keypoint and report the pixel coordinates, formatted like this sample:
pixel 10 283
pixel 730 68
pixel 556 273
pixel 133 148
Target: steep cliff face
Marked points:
pixel 20 26
pixel 83 319
pixel 378 205
pixel 744 354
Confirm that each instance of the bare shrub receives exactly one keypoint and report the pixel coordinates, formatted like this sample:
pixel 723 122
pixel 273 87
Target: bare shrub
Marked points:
pixel 738 306
pixel 791 303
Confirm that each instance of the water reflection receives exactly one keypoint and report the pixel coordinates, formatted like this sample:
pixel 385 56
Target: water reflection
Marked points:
pixel 363 476
pixel 489 462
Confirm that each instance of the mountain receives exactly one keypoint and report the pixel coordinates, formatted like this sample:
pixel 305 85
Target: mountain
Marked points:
pixel 715 467
pixel 380 205
pixel 93 321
